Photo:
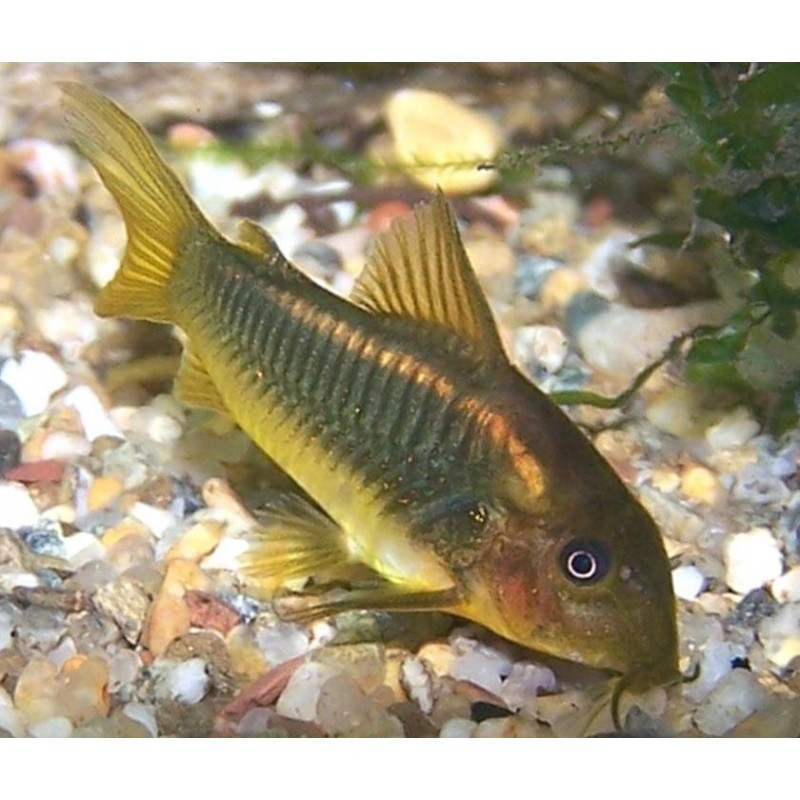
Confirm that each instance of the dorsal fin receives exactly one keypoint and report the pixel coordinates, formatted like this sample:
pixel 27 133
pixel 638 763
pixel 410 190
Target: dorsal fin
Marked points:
pixel 252 236
pixel 420 270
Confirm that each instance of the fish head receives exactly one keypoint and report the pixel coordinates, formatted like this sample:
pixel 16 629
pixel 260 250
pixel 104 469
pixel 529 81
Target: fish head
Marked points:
pixel 599 596
pixel 575 567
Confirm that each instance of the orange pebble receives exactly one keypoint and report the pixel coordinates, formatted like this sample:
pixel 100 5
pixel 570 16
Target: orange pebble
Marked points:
pixel 382 216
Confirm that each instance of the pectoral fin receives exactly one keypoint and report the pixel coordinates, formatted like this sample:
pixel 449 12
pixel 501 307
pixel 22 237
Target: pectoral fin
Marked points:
pixel 294 539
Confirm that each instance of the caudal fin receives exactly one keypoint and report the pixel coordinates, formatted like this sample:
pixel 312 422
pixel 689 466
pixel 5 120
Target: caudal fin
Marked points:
pixel 158 211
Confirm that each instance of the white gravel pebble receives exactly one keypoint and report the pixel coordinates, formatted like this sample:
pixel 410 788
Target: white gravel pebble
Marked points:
pixel 282 641
pixel 227 554
pixel 6 627
pixel 10 580
pixel 52 728
pixel 51 166
pixel 418 683
pixel 457 728
pixel 524 683
pixel 780 635
pixel 687 582
pixel 715 664
pixel 19 510
pixel 156 519
pixel 143 714
pixel 12 721
pixel 65 446
pixel 544 344
pixel 94 418
pixel 62 652
pixel 751 560
pixel 733 430
pixel 480 665
pixel 786 589
pixel 34 379
pixel 189 681
pixel 299 698
pixel 81 548
pixel 733 699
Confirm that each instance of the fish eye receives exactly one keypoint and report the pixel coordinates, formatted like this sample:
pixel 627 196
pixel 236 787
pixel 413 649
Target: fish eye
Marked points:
pixel 585 562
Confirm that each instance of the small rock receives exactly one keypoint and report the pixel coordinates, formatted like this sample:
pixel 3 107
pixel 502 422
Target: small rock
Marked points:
pixel 11 413
pixel 209 612
pixel 12 722
pixel 36 692
pixel 733 430
pixel 687 582
pixel 94 418
pixel 247 660
pixel 344 710
pixel 418 683
pixel 126 602
pixel 679 411
pixel 439 656
pixel 227 554
pixel 34 379
pixel 415 724
pixel 188 681
pixel 167 618
pixel 210 648
pixel 197 542
pixel 299 699
pixel 281 642
pixel 544 345
pixel 53 728
pixel 39 629
pixel 665 480
pixel 440 142
pixel 81 548
pixel 458 728
pixel 384 214
pixel 780 718
pixel 700 484
pixel 156 519
pixel 10 449
pixel 480 665
pixel 52 167
pixel 751 559
pixel 183 576
pixel 734 698
pixel 19 510
pixel 364 662
pixel 103 491
pixel 144 715
pixel 62 446
pixel 117 726
pixel 780 635
pixel 83 691
pixel 523 685
pixel 786 589
pixel 123 670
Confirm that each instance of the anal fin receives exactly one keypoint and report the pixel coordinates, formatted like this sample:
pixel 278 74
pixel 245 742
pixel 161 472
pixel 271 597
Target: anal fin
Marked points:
pixel 294 539
pixel 194 387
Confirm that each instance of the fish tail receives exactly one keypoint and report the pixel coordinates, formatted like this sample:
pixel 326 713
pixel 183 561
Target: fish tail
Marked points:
pixel 158 211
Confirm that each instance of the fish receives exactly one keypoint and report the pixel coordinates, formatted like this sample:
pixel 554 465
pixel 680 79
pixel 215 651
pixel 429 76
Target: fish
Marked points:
pixel 419 450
